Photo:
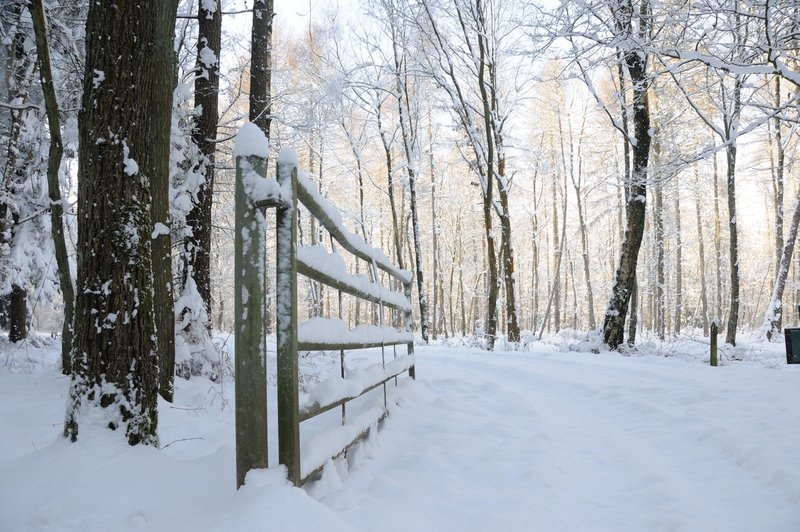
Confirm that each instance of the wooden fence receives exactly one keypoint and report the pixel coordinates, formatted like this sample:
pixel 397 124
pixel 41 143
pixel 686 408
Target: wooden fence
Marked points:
pixel 254 194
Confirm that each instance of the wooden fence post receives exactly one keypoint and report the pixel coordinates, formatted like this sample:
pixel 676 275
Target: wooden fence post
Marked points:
pixel 412 371
pixel 714 332
pixel 286 320
pixel 250 351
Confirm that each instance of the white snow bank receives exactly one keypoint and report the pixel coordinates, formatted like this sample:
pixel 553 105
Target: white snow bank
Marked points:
pixel 556 441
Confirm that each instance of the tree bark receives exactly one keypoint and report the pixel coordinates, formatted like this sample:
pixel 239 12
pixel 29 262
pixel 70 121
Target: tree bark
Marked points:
pixel 206 87
pixel 19 80
pixel 717 247
pixel 702 261
pixel 123 122
pixel 778 181
pixel 18 314
pixel 556 288
pixel 774 314
pixel 731 126
pixel 658 215
pixel 636 61
pixel 408 131
pixel 163 290
pixel 261 95
pixel 55 154
pixel 676 326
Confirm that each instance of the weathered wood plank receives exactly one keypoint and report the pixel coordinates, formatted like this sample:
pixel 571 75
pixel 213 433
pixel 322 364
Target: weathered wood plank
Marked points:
pixel 306 197
pixel 315 474
pixel 286 330
pixel 346 346
pixel 315 410
pixel 250 350
pixel 314 273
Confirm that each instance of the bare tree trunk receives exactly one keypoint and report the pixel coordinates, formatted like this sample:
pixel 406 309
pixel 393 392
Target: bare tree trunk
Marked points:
pixel 576 183
pixel 730 152
pixel 633 314
pixel 509 269
pixel 702 260
pixel 206 87
pixel 53 186
pixel 658 215
pixel 18 75
pixel 261 95
pixel 434 233
pixel 387 150
pixel 676 326
pixel 613 326
pixel 18 314
pixel 774 314
pixel 717 246
pixel 778 181
pixel 408 131
pixel 488 196
pixel 556 287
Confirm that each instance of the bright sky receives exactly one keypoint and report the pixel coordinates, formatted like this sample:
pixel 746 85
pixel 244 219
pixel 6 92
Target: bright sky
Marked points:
pixel 289 12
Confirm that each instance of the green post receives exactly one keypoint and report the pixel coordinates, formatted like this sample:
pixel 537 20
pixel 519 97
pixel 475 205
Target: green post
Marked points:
pixel 250 352
pixel 714 332
pixel 286 320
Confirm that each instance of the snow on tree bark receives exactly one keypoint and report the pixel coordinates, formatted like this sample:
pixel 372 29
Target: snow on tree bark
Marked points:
pixel 124 114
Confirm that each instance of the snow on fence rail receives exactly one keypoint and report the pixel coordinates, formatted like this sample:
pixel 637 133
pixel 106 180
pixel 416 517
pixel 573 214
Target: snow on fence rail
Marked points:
pixel 254 193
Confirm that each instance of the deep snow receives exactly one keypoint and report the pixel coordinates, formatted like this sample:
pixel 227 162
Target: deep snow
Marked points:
pixel 550 440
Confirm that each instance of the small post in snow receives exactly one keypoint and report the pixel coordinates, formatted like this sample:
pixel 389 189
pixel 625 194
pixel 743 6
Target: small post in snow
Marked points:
pixel 714 332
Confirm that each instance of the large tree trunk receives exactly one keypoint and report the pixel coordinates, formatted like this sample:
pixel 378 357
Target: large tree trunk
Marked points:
pixel 613 326
pixel 206 88
pixel 123 124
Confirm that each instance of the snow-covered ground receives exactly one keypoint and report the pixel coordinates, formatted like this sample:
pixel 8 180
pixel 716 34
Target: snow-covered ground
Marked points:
pixel 548 439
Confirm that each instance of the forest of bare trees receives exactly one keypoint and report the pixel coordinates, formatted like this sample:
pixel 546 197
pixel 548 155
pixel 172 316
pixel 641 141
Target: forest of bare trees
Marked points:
pixel 615 170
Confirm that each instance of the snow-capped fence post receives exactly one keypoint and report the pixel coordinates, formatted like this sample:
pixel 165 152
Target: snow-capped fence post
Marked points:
pixel 409 319
pixel 250 349
pixel 286 321
pixel 714 332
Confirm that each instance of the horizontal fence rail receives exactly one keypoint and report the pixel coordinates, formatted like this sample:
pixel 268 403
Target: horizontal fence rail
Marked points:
pixel 254 194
